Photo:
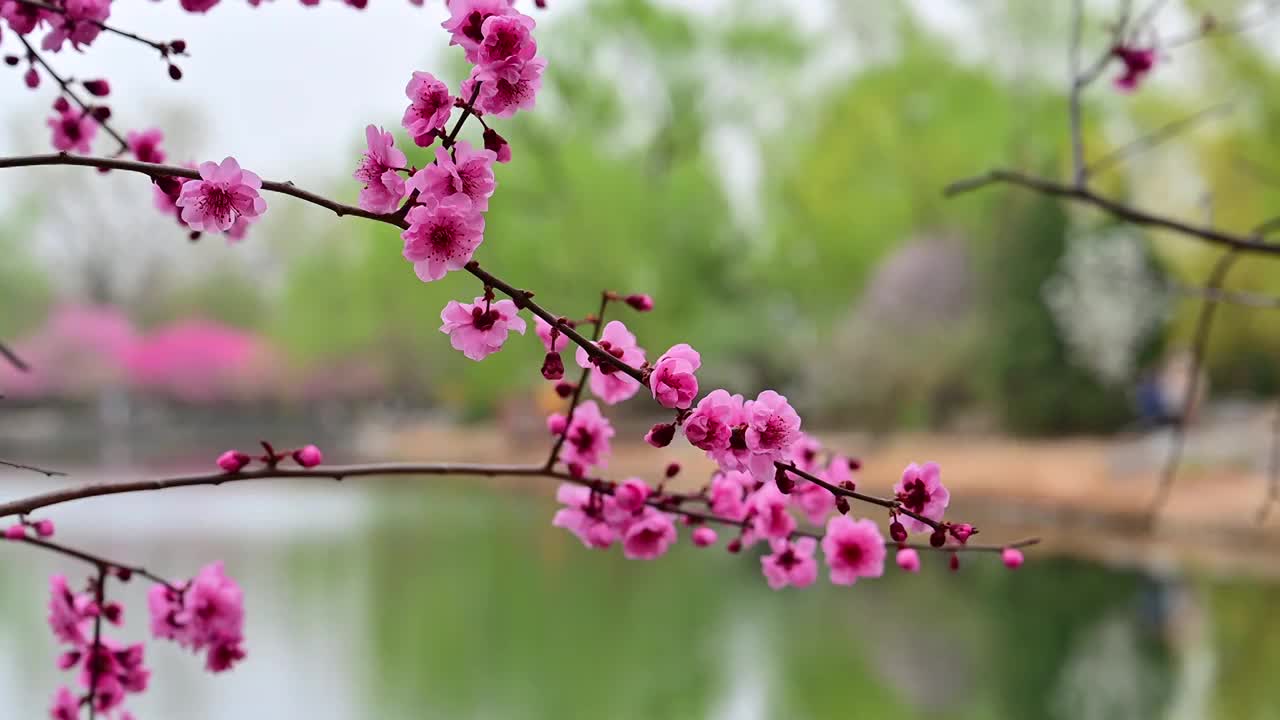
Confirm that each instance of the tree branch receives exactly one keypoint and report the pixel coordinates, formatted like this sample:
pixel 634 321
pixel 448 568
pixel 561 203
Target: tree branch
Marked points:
pixel 66 89
pixel 13 359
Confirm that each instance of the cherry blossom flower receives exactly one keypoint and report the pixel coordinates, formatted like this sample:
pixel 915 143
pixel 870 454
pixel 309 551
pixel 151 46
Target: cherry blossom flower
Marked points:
pixel 70 614
pixel 908 559
pixel 672 381
pixel 442 235
pixel 467 20
pixel 384 188
pixel 631 494
pixel 772 427
pixel 66 705
pixel 710 425
pixel 207 614
pixel 73 129
pixel 429 107
pixel 703 537
pixel 223 193
pixel 853 549
pixel 113 671
pixel 1138 62
pixel 479 332
pixel 592 517
pixel 21 17
pixel 506 38
pixel 506 87
pixel 649 536
pixel 792 563
pixel 922 492
pixel 587 437
pixel 767 508
pixel 78 22
pixel 543 329
pixel 607 382
pixel 465 171
pixel 728 495
pixel 145 145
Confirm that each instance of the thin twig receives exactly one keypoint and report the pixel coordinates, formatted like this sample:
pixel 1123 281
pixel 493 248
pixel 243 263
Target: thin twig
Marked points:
pixel 582 381
pixel 163 48
pixel 1156 137
pixel 97 561
pixel 33 468
pixel 1199 344
pixel 66 89
pixel 13 358
pixel 99 595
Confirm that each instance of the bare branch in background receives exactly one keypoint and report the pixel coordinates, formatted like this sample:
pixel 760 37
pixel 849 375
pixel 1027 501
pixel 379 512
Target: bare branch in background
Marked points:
pixel 13 358
pixel 1155 138
pixel 33 468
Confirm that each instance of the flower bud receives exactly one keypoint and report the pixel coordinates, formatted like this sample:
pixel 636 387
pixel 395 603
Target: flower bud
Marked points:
pixel 308 457
pixel 660 435
pixel 233 461
pixel 553 366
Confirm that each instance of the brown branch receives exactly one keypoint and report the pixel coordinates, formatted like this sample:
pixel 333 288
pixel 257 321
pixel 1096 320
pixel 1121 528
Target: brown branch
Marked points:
pixel 891 504
pixel 582 381
pixel 13 359
pixel 98 562
pixel 1155 137
pixel 163 48
pixel 66 89
pixel 1117 209
pixel 1199 344
pixel 33 468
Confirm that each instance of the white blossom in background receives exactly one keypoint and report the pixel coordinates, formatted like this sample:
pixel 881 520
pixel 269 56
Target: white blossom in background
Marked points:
pixel 1105 299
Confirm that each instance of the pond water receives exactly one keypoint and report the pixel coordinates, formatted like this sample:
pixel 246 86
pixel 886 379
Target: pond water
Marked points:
pixel 429 600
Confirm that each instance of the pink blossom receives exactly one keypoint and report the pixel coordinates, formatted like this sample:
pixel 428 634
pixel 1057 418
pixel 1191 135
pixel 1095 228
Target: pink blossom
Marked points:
pixel 16 531
pixel 506 38
pixel 66 705
pixel 772 427
pixel 70 614
pixel 1012 558
pixel 73 130
pixel 202 6
pixel 145 145
pixel 479 332
pixel 465 171
pixel 78 22
pixel 556 423
pixel 113 671
pixel 608 383
pixel 543 328
pixel 587 438
pixel 649 536
pixel 44 528
pixel 506 87
pixel 1138 62
pixel 710 425
pixel 233 461
pixel 908 560
pixel 767 508
pixel 429 107
pixel 805 453
pixel 639 303
pixel 308 456
pixel 792 563
pixel 672 381
pixel 587 515
pixel 815 501
pixel 728 495
pixel 853 549
pixel 206 614
pixel 498 145
pixel 223 193
pixel 922 492
pixel 383 186
pixel 631 494
pixel 442 235
pixel 704 537
pixel 21 17
pixel 467 20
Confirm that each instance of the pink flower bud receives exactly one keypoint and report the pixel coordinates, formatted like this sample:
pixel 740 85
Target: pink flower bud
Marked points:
pixel 44 528
pixel 565 389
pixel 100 88
pixel 954 562
pixel 233 461
pixel 704 536
pixel 909 560
pixel 113 613
pixel 1012 558
pixel 60 104
pixel 938 538
pixel 552 366
pixel 17 531
pixel 734 546
pixel 68 659
pixel 308 457
pixel 897 531
pixel 31 78
pixel 962 532
pixel 576 470
pixel 556 423
pixel 660 435
pixel 842 504
pixel 642 303
pixel 495 142
pixel 673 469
pixel 631 494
